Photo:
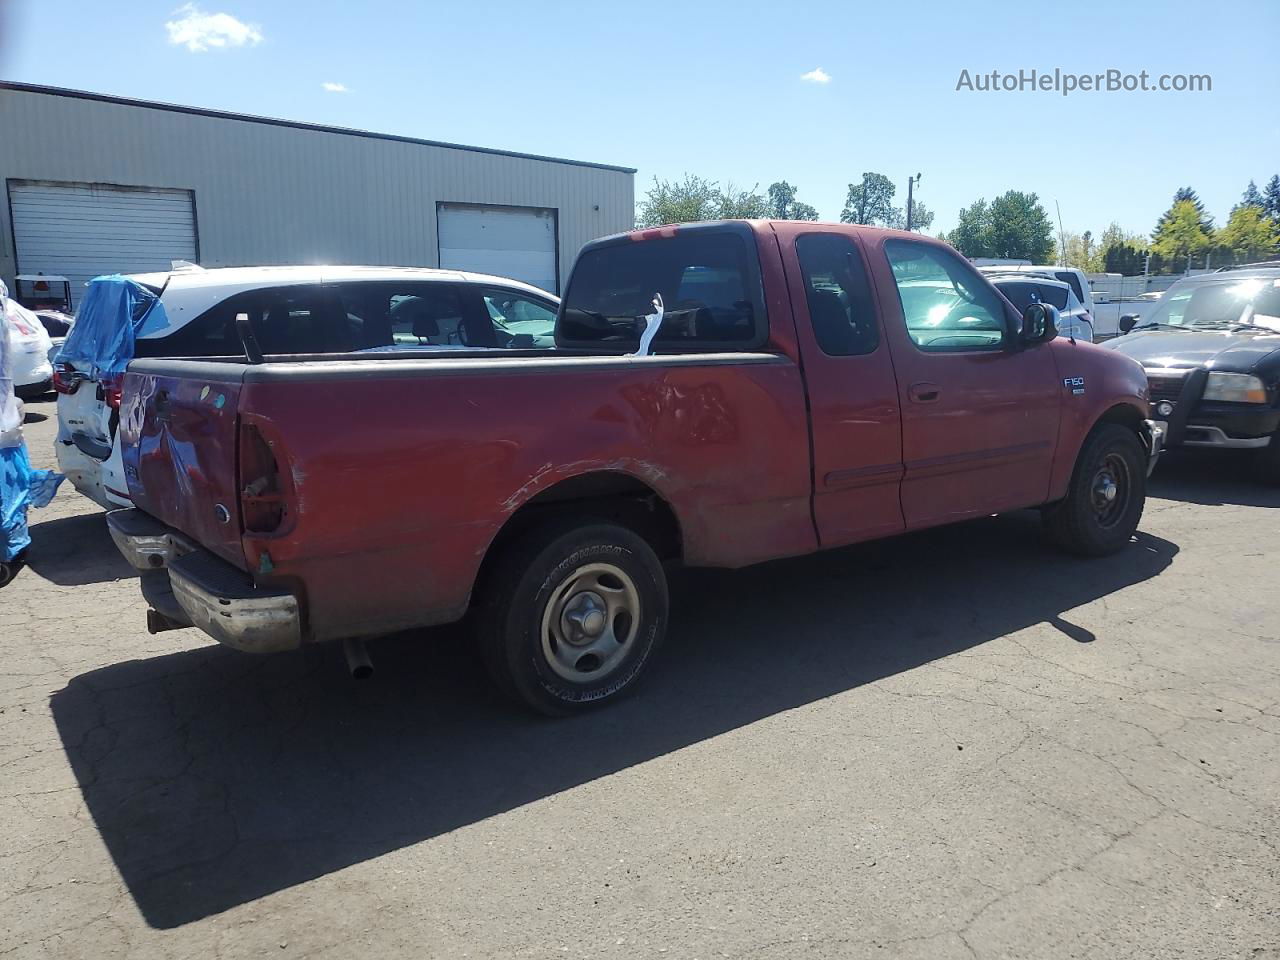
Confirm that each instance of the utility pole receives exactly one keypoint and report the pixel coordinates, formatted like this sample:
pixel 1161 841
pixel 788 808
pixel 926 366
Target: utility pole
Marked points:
pixel 911 182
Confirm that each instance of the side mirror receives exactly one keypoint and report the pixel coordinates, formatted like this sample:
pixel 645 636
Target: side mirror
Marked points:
pixel 1039 323
pixel 1127 322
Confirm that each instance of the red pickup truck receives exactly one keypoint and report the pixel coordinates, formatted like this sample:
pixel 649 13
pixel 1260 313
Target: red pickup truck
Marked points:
pixel 809 386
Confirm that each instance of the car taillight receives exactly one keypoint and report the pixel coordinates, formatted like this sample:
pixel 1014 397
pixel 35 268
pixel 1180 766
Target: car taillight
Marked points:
pixel 262 497
pixel 66 381
pixel 111 390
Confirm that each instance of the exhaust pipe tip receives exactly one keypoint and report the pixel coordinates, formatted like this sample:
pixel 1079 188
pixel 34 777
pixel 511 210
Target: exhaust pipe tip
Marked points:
pixel 358 662
pixel 157 622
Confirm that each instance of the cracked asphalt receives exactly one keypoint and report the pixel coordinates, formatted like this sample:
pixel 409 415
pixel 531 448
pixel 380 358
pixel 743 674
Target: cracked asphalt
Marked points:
pixel 954 744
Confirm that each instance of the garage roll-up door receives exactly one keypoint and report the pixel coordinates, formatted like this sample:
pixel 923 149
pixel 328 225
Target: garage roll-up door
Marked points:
pixel 516 242
pixel 82 230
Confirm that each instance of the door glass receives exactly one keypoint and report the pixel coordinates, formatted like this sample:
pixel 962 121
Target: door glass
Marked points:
pixel 839 298
pixel 520 322
pixel 947 306
pixel 407 315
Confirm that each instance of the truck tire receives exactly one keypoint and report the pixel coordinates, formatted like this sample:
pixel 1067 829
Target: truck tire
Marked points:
pixel 571 614
pixel 1107 493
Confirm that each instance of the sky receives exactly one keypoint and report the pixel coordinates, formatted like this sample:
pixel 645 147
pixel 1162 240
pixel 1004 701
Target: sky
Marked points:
pixel 814 93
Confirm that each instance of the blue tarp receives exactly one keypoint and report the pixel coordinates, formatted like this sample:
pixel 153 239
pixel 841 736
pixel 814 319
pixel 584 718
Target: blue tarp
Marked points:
pixel 20 488
pixel 114 311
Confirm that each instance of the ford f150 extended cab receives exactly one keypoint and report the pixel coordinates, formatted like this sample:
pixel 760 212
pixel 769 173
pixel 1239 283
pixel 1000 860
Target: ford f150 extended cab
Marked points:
pixel 808 386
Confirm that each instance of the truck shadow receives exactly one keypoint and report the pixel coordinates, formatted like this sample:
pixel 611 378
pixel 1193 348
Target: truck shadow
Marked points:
pixel 216 778
pixel 75 551
pixel 1212 478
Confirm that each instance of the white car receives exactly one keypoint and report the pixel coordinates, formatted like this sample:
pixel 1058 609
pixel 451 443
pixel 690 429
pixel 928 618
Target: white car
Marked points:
pixel 1022 289
pixel 32 371
pixel 57 324
pixel 291 310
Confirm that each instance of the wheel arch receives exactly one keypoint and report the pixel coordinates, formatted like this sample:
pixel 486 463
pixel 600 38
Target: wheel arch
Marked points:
pixel 1124 412
pixel 609 494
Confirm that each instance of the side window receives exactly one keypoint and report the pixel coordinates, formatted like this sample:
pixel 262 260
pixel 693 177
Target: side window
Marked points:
pixel 519 321
pixel 839 297
pixel 1020 293
pixel 385 315
pixel 947 306
pixel 295 320
pixel 430 315
pixel 305 318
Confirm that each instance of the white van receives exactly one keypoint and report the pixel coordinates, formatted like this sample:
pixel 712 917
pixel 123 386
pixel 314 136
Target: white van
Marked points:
pixel 291 310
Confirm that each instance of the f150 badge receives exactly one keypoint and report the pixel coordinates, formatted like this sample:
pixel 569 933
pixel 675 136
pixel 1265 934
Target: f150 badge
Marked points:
pixel 1074 384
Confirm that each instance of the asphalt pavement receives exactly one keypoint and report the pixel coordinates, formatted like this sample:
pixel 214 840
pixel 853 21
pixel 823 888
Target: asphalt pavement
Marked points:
pixel 959 743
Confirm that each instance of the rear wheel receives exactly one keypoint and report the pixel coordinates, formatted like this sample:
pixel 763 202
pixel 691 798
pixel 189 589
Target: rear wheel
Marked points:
pixel 1107 493
pixel 571 615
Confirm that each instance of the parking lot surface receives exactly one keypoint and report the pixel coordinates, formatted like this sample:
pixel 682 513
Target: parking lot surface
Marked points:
pixel 954 744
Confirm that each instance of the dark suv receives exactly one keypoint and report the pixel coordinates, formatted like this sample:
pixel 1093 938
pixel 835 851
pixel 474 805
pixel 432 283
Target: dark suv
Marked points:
pixel 1211 349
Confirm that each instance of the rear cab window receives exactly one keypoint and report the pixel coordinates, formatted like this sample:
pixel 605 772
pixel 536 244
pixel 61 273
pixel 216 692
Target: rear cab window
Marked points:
pixel 708 278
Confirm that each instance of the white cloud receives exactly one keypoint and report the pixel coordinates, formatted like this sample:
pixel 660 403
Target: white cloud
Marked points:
pixel 332 87
pixel 816 75
pixel 199 31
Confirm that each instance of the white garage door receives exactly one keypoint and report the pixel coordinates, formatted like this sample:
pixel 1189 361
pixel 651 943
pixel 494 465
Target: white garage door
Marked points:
pixel 83 230
pixel 517 242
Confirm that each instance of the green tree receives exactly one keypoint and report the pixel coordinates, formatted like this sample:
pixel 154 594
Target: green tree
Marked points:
pixel 971 236
pixel 735 204
pixel 1014 226
pixel 870 201
pixel 1020 228
pixel 695 198
pixel 1249 234
pixel 1181 234
pixel 1120 251
pixel 1186 195
pixel 1251 198
pixel 921 217
pixel 783 205
pixel 1271 198
pixel 1084 252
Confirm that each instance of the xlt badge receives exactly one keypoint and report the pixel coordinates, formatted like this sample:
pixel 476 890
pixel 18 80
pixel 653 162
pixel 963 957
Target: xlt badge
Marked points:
pixel 1074 384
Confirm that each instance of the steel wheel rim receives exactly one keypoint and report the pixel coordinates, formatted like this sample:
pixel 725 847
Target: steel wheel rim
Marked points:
pixel 1110 490
pixel 590 623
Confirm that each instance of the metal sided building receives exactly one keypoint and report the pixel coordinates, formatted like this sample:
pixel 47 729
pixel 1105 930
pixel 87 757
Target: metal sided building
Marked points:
pixel 97 184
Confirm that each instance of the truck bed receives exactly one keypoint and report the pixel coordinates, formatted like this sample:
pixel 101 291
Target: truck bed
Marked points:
pixel 424 457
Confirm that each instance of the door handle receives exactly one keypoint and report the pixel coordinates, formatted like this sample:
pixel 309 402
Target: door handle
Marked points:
pixel 923 392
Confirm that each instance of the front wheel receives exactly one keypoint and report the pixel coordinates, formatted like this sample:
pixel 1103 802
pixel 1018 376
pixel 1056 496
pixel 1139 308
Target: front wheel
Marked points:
pixel 1107 493
pixel 572 614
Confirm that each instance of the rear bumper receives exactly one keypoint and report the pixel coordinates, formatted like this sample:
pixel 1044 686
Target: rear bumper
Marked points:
pixel 88 475
pixel 220 599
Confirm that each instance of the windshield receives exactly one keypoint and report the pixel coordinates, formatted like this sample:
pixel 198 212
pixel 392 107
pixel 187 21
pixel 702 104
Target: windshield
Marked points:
pixel 1221 302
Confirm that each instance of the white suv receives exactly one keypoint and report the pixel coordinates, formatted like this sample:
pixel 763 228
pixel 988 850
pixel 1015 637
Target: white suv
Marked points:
pixel 1022 289
pixel 291 310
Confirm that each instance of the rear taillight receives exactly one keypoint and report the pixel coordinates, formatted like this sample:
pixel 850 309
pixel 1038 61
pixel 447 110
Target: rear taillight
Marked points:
pixel 262 496
pixel 66 381
pixel 111 390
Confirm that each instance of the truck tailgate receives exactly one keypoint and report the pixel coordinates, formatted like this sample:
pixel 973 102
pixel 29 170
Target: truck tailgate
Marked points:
pixel 178 439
